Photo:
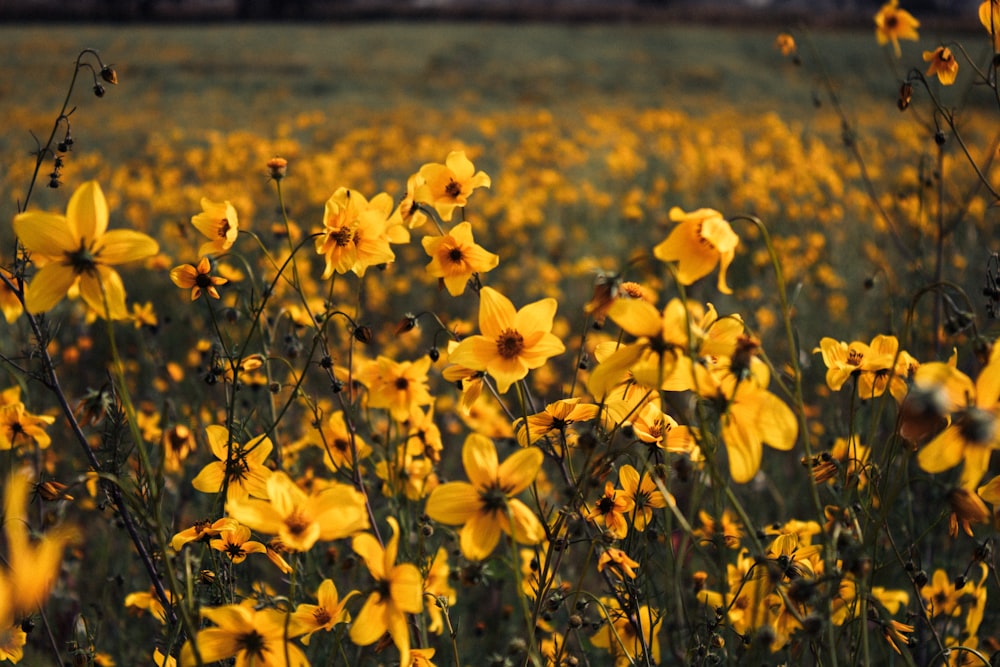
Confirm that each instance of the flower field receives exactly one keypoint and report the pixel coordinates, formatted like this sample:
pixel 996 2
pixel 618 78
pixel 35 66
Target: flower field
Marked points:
pixel 458 344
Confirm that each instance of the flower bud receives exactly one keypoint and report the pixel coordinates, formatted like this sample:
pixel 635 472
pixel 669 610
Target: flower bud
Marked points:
pixel 109 75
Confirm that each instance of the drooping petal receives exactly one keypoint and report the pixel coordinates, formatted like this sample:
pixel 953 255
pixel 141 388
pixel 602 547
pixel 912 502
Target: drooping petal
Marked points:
pixel 479 457
pixel 406 587
pixel 944 452
pixel 370 624
pixel 259 515
pixel 104 293
pixel 524 525
pixel 453 503
pixel 777 423
pixel 218 440
pixel 125 245
pixel 480 536
pixel 88 211
pixel 743 447
pixel 519 470
pixel 506 371
pixel 474 352
pixel 48 287
pixel 372 553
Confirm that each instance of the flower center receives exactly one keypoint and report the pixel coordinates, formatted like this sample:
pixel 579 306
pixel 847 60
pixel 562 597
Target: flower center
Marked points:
pixel 510 344
pixel 402 383
pixel 455 255
pixel 342 237
pixel 977 426
pixel 453 189
pixel 224 228
pixel 494 499
pixel 297 524
pixel 253 643
pixel 322 616
pixel 83 260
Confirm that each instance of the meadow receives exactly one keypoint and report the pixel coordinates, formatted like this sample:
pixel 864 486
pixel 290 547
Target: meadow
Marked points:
pixel 718 366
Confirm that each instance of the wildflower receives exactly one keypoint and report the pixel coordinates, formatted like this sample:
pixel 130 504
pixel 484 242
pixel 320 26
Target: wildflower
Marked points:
pixel 77 250
pixel 966 508
pixel 626 634
pixel 990 492
pixel 455 257
pixel 973 433
pixel 486 505
pixel 240 470
pixel 846 453
pixel 277 167
pixel 18 426
pixel 201 530
pixel 235 543
pixel 144 315
pixel 354 232
pixel 512 341
pixel 412 475
pixel 871 364
pixel 447 186
pixel 421 657
pixel 437 585
pixel 10 304
pixel 702 239
pixel 397 386
pixel 148 600
pixel 398 592
pixel 893 24
pixel 943 64
pixel 644 494
pixel 641 412
pixel 727 528
pixel 197 278
pixel 328 612
pixel 218 222
pixel 161 660
pixel 785 43
pixel 989 16
pixel 178 444
pixel 12 641
pixel 619 561
pixel 408 212
pixel 257 637
pixel 610 511
pixel 336 442
pixel 298 519
pixel 554 420
pixel 609 288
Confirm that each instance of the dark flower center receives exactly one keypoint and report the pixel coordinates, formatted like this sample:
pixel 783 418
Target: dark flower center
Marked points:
pixel 453 189
pixel 224 228
pixel 510 344
pixel 83 260
pixel 342 236
pixel 977 426
pixel 322 616
pixel 253 643
pixel 494 499
pixel 402 383
pixel 455 255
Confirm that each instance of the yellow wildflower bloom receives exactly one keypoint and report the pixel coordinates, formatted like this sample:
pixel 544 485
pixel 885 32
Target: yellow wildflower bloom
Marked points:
pixel 236 544
pixel 298 519
pixel 989 16
pixel 77 250
pixel 12 641
pixel 485 506
pixel 397 386
pixel 619 561
pixel 398 592
pixel 255 637
pixel 329 611
pixel 456 256
pixel 448 186
pixel 354 232
pixel 240 469
pixel 512 341
pixel 893 24
pixel 943 64
pixel 610 511
pixel 553 420
pixel 197 279
pixel 10 304
pixel 437 585
pixel 217 221
pixel 18 426
pixel 624 635
pixel 702 239
pixel 643 493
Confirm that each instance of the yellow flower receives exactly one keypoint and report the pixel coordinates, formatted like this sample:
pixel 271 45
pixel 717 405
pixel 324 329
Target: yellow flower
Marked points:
pixel 643 493
pixel 553 420
pixel 485 506
pixel 235 543
pixel 78 250
pixel 398 592
pixel 201 530
pixel 197 278
pixel 327 613
pixel 18 426
pixel 437 585
pixel 161 660
pixel 12 641
pixel 455 257
pixel 974 432
pixel 989 16
pixel 785 43
pixel 512 341
pixel 624 634
pixel 354 232
pixel 240 470
pixel 148 600
pixel 144 315
pixel 702 239
pixel 610 511
pixel 255 637
pixel 335 440
pixel 893 24
pixel 299 520
pixel 218 222
pixel 871 364
pixel 619 561
pixel 397 386
pixel 943 64
pixel 10 304
pixel 421 657
pixel 447 186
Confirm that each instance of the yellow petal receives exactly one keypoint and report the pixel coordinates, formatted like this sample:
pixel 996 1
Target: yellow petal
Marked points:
pixel 524 526
pixel 479 536
pixel 370 624
pixel 406 588
pixel 479 457
pixel 88 211
pixel 104 293
pixel 496 313
pixel 48 287
pixel 453 503
pixel 944 452
pixel 519 470
pixel 46 234
pixel 125 245
pixel 372 553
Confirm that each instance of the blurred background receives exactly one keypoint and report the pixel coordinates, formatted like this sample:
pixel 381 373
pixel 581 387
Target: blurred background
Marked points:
pixel 817 12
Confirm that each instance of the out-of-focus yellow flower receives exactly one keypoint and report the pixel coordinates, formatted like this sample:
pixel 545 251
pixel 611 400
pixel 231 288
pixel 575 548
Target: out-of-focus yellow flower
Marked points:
pixel 10 304
pixel 702 239
pixel 328 612
pixel 618 561
pixel 967 508
pixel 257 637
pixel 785 43
pixel 217 221
pixel 236 544
pixel 77 250
pixel 161 660
pixel 197 279
pixel 201 530
pixel 399 387
pixel 485 506
pixel 625 635
pixel 989 16
pixel 18 426
pixel 893 24
pixel 448 186
pixel 12 641
pixel 943 64
pixel 398 592
pixel 438 585
pixel 512 341
pixel 148 600
pixel 298 519
pixel 456 256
